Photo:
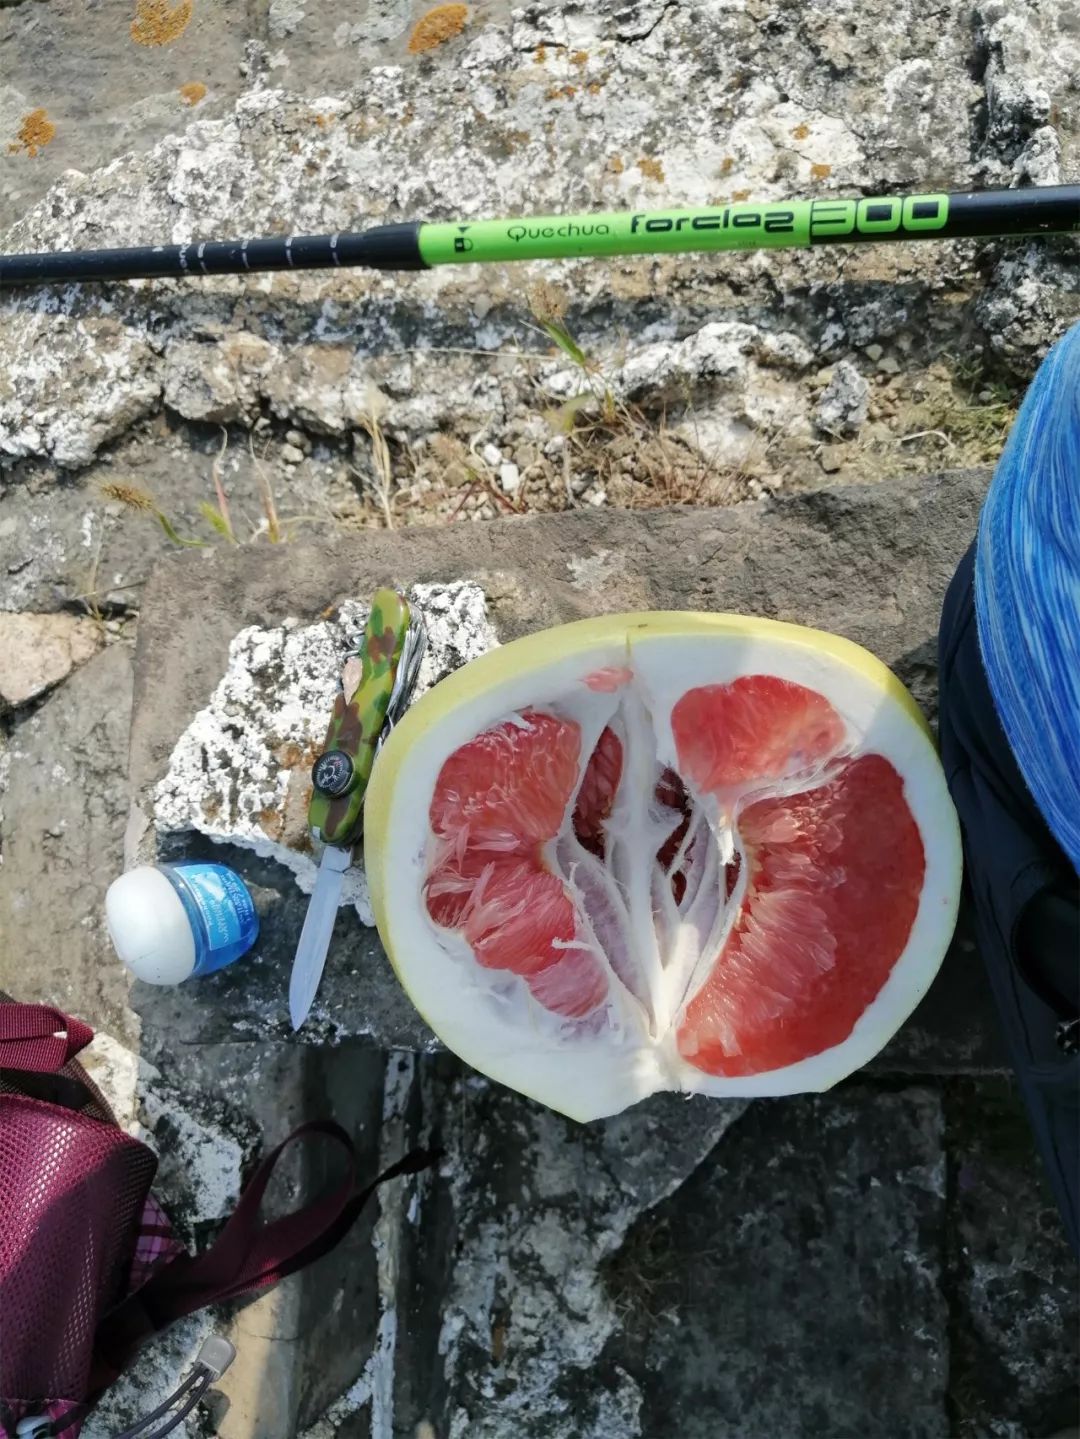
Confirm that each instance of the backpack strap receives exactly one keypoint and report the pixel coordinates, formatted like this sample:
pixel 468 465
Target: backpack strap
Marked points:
pixel 247 1256
pixel 38 1038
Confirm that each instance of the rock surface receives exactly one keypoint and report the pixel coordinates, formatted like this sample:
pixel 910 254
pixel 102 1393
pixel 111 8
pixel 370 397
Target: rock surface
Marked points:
pixel 38 651
pixel 540 1206
pixel 1008 1274
pixel 718 358
pixel 62 842
pixel 722 1289
pixel 842 409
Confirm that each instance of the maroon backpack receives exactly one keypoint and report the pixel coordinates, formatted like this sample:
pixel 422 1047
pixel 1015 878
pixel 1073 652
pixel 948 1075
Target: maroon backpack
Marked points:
pixel 89 1267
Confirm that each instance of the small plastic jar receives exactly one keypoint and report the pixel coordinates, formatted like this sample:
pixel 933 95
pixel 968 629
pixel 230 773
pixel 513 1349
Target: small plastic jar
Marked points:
pixel 173 921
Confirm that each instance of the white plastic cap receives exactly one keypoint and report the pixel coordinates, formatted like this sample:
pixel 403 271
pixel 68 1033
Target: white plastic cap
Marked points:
pixel 149 927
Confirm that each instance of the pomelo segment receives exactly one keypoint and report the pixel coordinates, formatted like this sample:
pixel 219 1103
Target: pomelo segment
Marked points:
pixel 835 876
pixel 755 729
pixel 664 851
pixel 497 800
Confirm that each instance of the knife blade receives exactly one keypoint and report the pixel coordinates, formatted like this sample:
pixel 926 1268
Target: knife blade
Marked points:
pixel 317 931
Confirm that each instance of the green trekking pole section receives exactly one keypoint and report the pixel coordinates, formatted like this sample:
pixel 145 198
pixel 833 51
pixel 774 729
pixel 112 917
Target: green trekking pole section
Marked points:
pixel 660 232
pixel 755 227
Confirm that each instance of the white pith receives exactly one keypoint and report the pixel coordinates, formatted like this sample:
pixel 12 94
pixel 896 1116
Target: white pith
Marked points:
pixel 627 1048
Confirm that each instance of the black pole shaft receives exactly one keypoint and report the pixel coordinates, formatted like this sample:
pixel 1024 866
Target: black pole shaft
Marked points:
pixel 390 247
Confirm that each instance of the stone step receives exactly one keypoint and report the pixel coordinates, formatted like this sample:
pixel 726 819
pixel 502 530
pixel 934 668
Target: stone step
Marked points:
pixel 871 563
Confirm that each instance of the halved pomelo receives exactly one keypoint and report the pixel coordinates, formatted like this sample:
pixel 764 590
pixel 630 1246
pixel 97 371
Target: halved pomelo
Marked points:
pixel 664 851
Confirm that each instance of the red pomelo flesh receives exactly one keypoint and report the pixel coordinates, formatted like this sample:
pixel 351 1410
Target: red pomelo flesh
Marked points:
pixel 499 798
pixel 835 876
pixel 832 858
pixel 597 793
pixel 509 785
pixel 756 728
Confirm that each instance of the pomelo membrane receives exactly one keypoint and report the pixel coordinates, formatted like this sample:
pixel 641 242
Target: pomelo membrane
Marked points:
pixel 664 851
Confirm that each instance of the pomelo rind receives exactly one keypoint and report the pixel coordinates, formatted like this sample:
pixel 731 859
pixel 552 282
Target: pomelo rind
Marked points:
pixel 525 672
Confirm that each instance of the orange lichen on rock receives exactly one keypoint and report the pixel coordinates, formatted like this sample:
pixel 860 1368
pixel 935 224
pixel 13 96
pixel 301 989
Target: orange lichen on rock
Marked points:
pixel 820 172
pixel 35 132
pixel 193 92
pixel 801 130
pixel 651 168
pixel 739 195
pixel 159 23
pixel 437 26
pixel 727 164
pixel 579 57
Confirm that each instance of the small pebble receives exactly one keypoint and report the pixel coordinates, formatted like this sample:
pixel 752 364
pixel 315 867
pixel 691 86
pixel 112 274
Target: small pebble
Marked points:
pixel 492 456
pixel 986 397
pixel 831 459
pixel 509 479
pixel 889 365
pixel 262 423
pixel 294 437
pixel 291 455
pixel 874 352
pixel 598 498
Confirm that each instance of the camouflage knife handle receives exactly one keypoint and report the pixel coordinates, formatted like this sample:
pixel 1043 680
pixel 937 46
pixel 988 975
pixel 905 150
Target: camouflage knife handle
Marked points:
pixel 342 771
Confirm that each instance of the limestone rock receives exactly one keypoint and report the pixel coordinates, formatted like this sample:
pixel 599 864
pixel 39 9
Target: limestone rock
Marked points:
pixel 38 651
pixel 218 384
pixel 1023 58
pixel 892 107
pixel 843 404
pixel 1012 1273
pixel 541 1208
pixel 747 1259
pixel 72 385
pixel 311 385
pixel 755 372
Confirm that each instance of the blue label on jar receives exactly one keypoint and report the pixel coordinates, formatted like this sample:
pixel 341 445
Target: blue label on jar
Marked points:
pixel 223 902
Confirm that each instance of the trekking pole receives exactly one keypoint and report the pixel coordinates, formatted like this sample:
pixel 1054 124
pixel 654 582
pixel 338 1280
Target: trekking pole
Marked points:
pixel 1041 210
